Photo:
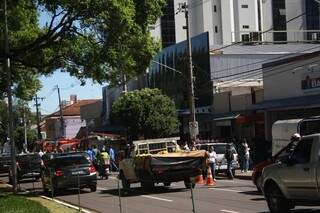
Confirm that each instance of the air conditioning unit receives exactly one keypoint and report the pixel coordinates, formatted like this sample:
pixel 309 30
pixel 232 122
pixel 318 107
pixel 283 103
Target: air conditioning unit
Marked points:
pixel 255 36
pixel 245 38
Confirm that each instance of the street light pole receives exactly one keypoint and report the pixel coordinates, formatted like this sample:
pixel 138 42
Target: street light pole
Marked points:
pixel 7 70
pixel 193 124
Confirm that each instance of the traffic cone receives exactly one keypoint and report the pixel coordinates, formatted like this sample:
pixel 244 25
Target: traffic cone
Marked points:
pixel 210 181
pixel 199 179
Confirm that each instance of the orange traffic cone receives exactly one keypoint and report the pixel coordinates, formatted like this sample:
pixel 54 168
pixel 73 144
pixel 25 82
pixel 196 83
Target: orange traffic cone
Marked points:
pixel 210 181
pixel 199 179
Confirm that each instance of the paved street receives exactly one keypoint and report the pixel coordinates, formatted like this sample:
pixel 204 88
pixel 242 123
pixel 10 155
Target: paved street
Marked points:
pixel 226 196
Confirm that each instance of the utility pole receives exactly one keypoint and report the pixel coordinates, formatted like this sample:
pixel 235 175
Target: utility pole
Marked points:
pixel 124 84
pixel 61 114
pixel 25 128
pixel 193 124
pixel 7 70
pixel 36 99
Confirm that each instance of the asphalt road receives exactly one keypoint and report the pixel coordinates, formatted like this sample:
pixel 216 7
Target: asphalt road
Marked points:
pixel 229 196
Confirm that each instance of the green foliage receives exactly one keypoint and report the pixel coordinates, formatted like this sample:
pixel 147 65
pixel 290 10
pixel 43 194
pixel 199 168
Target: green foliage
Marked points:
pixel 146 113
pixel 20 112
pixel 98 39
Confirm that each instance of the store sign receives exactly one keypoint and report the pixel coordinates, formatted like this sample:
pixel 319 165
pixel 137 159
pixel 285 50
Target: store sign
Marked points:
pixel 310 83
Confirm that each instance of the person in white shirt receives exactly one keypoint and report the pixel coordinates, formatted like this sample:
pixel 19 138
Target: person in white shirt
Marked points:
pixel 212 161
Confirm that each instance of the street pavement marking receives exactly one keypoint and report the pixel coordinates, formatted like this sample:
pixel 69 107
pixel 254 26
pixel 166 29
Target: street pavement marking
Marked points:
pixel 227 190
pixel 228 211
pixel 146 196
pixel 156 198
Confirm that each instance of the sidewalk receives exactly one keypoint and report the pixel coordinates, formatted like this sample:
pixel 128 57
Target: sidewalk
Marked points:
pixel 239 175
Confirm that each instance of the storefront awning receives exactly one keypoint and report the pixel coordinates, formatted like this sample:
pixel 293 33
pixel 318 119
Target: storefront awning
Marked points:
pixel 303 102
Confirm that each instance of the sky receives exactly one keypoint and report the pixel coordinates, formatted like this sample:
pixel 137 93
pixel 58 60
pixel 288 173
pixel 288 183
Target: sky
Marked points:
pixel 68 86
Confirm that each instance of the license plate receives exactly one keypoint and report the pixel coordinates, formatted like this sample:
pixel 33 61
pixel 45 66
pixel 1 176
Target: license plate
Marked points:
pixel 78 173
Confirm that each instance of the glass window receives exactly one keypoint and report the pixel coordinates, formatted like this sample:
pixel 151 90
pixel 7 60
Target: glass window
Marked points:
pixel 244 6
pixel 245 26
pixel 302 152
pixel 215 8
pixel 216 29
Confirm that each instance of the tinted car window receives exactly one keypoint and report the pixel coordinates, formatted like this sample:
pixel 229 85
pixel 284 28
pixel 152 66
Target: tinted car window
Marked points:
pixel 220 149
pixel 302 152
pixel 71 161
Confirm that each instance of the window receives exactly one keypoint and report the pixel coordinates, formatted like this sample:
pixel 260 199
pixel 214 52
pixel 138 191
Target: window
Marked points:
pixel 216 29
pixel 244 6
pixel 245 26
pixel 302 152
pixel 215 8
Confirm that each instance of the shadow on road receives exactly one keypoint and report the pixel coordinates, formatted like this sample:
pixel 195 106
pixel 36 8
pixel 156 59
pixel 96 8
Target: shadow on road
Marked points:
pixel 139 191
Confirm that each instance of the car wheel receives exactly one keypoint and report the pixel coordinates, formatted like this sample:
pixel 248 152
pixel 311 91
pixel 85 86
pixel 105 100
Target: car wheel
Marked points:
pixel 188 184
pixel 93 188
pixel 259 183
pixel 147 185
pixel 277 203
pixel 124 181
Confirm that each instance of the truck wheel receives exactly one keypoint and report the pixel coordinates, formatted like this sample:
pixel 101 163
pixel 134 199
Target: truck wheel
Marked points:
pixel 124 181
pixel 93 188
pixel 188 184
pixel 148 185
pixel 167 184
pixel 277 203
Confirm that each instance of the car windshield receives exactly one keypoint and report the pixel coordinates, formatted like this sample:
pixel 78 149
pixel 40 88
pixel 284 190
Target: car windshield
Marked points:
pixel 220 148
pixel 71 161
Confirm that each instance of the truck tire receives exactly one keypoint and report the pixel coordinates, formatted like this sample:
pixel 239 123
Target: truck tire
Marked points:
pixel 167 184
pixel 188 184
pixel 147 185
pixel 125 183
pixel 277 203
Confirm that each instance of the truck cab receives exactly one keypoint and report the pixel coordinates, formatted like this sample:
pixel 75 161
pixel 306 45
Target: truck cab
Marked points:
pixel 294 180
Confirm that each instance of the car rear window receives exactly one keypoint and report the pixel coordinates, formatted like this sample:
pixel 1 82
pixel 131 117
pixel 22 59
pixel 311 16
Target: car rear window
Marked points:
pixel 29 158
pixel 220 149
pixel 71 161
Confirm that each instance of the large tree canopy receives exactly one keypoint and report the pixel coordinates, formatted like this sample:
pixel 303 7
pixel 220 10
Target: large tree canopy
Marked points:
pixel 146 113
pixel 98 39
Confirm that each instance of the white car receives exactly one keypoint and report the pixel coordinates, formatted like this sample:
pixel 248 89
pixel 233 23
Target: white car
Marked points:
pixel 221 161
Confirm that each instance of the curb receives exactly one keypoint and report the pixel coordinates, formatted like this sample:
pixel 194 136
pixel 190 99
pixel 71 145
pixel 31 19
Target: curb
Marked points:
pixel 66 204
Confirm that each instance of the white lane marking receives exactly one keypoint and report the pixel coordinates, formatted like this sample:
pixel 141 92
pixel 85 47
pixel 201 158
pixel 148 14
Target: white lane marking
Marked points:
pixel 66 204
pixel 156 198
pixel 227 190
pixel 102 189
pixel 228 211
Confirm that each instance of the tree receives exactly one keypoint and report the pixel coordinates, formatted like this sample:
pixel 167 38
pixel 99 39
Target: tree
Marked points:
pixel 98 39
pixel 146 113
pixel 20 111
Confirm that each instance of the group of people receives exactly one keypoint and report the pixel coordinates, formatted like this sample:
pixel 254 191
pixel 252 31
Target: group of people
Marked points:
pixel 244 156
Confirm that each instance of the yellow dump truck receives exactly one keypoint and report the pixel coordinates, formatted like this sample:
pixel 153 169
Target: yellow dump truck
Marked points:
pixel 161 161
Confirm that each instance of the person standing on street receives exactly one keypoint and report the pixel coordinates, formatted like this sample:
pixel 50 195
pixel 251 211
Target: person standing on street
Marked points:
pixel 229 157
pixel 212 161
pixel 246 150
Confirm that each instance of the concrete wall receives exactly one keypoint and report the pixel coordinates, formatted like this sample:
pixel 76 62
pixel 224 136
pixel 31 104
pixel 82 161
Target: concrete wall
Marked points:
pixel 295 8
pixel 227 21
pixel 72 126
pixel 180 21
pixel 285 81
pixel 221 103
pixel 240 102
pixel 267 21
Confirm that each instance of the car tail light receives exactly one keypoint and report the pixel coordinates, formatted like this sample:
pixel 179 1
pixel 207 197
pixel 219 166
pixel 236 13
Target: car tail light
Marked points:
pixel 92 169
pixel 58 173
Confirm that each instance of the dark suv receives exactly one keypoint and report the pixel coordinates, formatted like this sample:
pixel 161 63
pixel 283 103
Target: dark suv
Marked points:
pixel 69 171
pixel 28 166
